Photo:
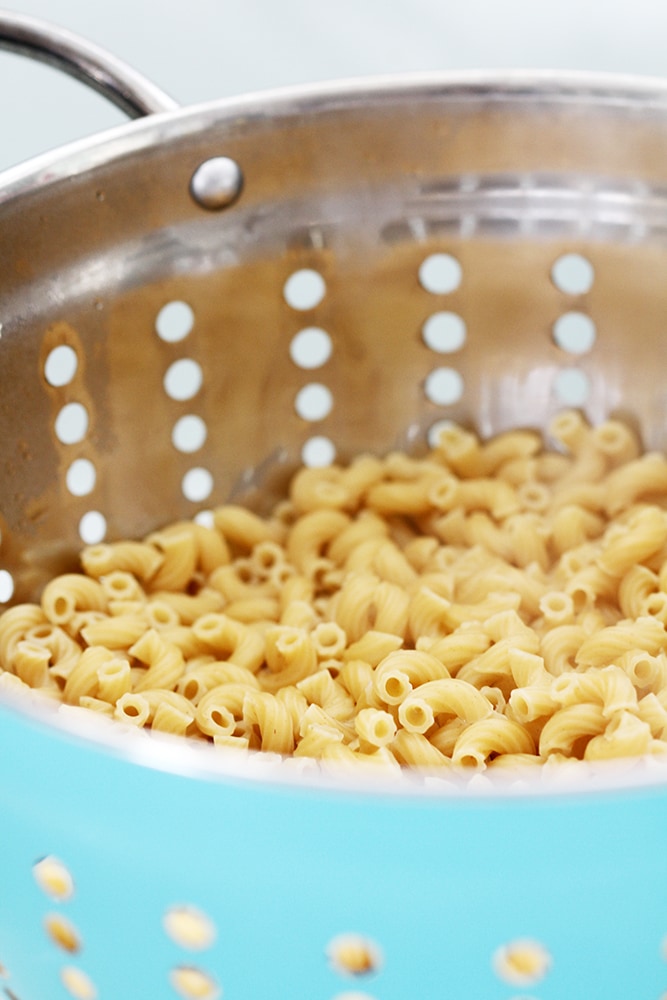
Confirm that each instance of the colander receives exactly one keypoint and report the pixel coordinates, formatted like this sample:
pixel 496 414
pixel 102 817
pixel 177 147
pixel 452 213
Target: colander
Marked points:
pixel 194 304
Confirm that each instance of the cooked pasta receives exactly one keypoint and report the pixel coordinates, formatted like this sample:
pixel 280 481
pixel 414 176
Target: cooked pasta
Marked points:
pixel 493 604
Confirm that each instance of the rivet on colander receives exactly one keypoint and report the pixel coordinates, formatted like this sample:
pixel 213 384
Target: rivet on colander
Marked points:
pixel 216 183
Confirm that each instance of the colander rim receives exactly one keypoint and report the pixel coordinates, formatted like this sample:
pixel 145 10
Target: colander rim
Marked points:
pixel 186 757
pixel 101 148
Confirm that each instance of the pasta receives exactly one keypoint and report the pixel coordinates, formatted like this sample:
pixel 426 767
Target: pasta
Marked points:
pixel 492 604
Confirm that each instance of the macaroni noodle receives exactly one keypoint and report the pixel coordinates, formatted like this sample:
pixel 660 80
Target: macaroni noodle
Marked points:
pixel 490 605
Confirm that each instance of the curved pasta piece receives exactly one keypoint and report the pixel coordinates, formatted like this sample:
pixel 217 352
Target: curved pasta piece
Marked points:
pixel 212 549
pixel 625 736
pixel 309 537
pixel 457 648
pixel 415 750
pixel 449 696
pixel 640 478
pixel 14 626
pixel 178 546
pixel 254 609
pixel 117 632
pixel 605 646
pixel 241 644
pixel 139 558
pixel 354 606
pixel 495 664
pixel 491 736
pixel 401 671
pixel 651 710
pixel 557 607
pixel 290 657
pixel 273 719
pixel 164 660
pixel 174 720
pixel 617 441
pixel 31 662
pixel 573 525
pixel 321 689
pixel 526 704
pixel 316 489
pixel 114 679
pixel 559 647
pixel 367 526
pixel 69 593
pixel 119 585
pixel 215 719
pixel 375 727
pixel 610 686
pixel 83 679
pixel 243 528
pixel 569 725
pixel 403 497
pixel 641 536
pixel 356 676
pixel 189 607
pixel 529 537
pixel 197 681
pixel 647 673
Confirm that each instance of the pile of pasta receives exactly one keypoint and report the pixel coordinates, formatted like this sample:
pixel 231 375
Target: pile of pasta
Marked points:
pixel 491 603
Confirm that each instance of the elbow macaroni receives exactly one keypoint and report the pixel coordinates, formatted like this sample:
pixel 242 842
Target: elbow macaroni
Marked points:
pixel 494 603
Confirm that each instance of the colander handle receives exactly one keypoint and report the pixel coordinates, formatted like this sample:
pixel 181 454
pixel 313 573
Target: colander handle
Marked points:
pixel 85 61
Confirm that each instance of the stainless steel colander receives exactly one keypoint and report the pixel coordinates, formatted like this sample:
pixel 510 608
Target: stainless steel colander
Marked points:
pixel 194 304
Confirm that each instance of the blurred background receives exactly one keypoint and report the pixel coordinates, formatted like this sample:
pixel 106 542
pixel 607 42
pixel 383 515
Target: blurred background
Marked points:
pixel 200 50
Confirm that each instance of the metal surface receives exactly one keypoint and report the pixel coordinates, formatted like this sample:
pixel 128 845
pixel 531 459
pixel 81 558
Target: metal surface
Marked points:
pixel 360 185
pixel 370 212
pixel 216 183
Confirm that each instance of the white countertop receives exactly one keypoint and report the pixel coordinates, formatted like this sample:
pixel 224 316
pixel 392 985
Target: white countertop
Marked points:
pixel 204 49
